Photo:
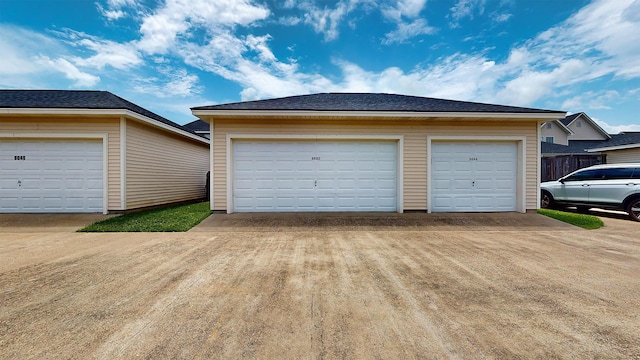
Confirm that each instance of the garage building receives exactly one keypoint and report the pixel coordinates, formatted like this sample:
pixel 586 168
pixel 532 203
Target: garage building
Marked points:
pixel 373 152
pixel 92 151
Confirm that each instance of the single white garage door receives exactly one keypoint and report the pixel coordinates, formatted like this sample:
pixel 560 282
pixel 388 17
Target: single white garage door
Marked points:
pixel 281 176
pixel 51 176
pixel 474 176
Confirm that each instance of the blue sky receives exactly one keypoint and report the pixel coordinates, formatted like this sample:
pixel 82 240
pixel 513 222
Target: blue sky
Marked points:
pixel 170 55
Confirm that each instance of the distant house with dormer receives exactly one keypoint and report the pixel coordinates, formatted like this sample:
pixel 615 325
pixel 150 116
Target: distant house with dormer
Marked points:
pixel 577 141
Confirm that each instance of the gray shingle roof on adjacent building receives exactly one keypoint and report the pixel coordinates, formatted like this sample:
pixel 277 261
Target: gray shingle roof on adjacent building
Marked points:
pixel 76 99
pixel 576 147
pixel 369 102
pixel 623 138
pixel 198 125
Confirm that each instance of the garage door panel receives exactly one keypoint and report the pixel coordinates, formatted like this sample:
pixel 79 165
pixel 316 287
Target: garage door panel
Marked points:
pixel 325 176
pixel 473 176
pixel 55 176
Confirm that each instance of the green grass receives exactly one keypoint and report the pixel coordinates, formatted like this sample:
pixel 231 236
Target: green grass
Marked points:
pixel 588 222
pixel 171 219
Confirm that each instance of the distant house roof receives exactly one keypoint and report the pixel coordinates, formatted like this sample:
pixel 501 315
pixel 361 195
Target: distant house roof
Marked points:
pixel 575 147
pixel 561 125
pixel 198 126
pixel 77 100
pixel 566 121
pixel 369 102
pixel 623 140
pixel 569 118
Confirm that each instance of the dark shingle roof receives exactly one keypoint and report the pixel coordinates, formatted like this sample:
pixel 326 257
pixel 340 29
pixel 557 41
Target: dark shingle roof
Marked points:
pixel 581 146
pixel 574 147
pixel 369 102
pixel 623 138
pixel 198 125
pixel 76 99
pixel 567 120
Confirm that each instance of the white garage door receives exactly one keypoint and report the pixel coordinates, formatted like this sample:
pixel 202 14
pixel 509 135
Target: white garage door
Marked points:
pixel 474 177
pixel 51 176
pixel 281 176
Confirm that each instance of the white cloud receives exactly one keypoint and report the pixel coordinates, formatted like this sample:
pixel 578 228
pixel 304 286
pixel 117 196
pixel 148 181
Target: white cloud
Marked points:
pixel 114 9
pixel 23 64
pixel 502 17
pixel 406 31
pixel 616 129
pixel 161 29
pixel 466 8
pixel 17 47
pixel 70 71
pixel 592 100
pixel 174 83
pixel 327 20
pixel 406 9
pixel 107 53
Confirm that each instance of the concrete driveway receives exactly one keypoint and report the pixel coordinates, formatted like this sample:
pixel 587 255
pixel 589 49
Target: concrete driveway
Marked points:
pixel 331 289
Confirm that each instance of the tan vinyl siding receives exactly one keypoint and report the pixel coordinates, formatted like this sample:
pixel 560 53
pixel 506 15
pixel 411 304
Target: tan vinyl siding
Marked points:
pixel 584 132
pixel 623 156
pixel 161 167
pixel 60 125
pixel 415 146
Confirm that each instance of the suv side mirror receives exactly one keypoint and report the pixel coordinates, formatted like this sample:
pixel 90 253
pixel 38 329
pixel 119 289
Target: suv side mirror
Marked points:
pixel 561 180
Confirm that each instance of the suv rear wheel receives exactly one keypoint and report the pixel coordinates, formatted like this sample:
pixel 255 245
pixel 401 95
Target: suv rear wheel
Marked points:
pixel 634 209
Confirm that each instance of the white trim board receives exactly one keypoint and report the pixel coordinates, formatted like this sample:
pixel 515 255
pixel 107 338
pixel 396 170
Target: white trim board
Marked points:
pixel 376 114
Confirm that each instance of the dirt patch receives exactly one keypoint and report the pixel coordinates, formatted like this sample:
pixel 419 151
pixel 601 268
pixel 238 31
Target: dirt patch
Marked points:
pixel 27 223
pixel 322 294
pixel 378 222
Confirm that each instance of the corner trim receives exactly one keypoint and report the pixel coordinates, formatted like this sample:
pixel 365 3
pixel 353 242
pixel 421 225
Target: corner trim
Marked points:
pixel 123 163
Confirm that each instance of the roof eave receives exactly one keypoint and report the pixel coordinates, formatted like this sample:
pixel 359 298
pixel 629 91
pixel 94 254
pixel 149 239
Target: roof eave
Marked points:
pixel 613 148
pixel 115 112
pixel 380 114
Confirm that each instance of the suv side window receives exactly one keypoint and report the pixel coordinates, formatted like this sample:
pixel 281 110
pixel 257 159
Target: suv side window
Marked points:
pixel 586 175
pixel 618 173
pixel 636 173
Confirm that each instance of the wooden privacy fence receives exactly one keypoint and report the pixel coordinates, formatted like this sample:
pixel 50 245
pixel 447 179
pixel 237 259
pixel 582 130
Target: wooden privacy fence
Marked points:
pixel 556 167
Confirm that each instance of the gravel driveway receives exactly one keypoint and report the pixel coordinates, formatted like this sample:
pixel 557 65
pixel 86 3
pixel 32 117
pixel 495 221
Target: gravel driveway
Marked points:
pixel 326 287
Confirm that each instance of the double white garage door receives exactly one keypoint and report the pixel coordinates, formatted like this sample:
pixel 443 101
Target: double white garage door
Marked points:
pixel 323 175
pixel 51 176
pixel 314 176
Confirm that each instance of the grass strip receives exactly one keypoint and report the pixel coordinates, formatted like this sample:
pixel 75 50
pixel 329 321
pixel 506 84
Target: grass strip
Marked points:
pixel 171 219
pixel 584 221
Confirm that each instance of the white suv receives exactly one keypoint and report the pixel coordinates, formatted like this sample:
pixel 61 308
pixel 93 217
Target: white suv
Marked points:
pixel 610 186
